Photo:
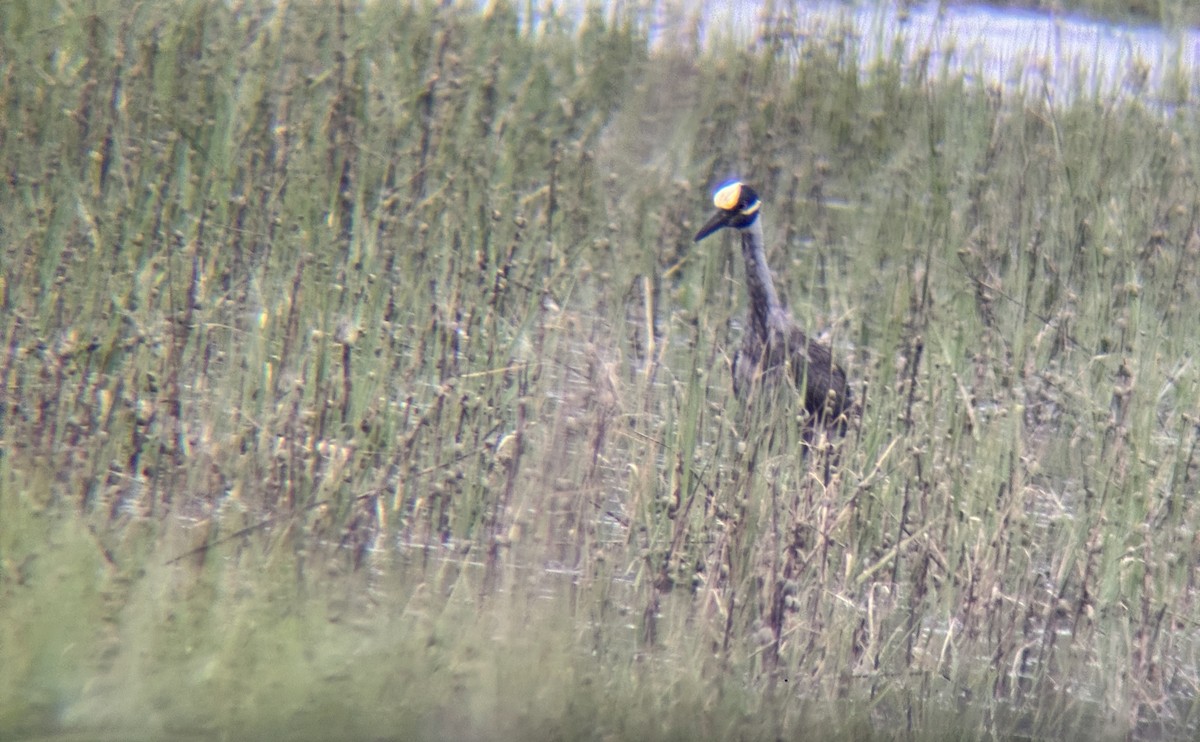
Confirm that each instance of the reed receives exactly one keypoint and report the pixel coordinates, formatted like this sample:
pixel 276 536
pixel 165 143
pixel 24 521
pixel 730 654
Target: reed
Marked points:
pixel 361 376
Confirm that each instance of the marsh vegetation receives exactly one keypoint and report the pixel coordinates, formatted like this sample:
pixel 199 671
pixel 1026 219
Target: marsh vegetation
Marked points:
pixel 360 375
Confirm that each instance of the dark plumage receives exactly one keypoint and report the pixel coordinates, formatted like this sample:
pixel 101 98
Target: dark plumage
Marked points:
pixel 772 340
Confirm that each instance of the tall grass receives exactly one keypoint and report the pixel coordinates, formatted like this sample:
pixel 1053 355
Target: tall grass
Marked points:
pixel 361 376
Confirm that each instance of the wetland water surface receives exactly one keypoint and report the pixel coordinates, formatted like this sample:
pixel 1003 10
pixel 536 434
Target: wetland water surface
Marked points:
pixel 1071 54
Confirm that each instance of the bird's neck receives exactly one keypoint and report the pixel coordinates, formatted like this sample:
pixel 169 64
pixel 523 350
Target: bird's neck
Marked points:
pixel 765 309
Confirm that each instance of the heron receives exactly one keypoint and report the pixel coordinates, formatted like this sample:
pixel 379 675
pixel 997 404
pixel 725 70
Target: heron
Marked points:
pixel 773 344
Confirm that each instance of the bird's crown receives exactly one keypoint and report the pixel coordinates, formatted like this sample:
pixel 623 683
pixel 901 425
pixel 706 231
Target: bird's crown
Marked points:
pixel 737 196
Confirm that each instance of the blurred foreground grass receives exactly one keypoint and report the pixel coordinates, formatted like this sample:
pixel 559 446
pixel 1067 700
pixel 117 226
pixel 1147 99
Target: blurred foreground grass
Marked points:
pixel 361 379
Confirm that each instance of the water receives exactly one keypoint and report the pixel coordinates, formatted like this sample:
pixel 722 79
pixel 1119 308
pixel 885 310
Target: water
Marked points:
pixel 1045 54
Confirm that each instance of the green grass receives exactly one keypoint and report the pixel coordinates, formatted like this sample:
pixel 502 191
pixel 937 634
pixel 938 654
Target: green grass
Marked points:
pixel 361 378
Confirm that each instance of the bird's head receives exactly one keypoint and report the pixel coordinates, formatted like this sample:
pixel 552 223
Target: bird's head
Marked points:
pixel 737 206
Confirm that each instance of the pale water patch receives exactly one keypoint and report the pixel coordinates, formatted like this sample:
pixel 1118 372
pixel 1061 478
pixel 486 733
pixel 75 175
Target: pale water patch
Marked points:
pixel 1063 56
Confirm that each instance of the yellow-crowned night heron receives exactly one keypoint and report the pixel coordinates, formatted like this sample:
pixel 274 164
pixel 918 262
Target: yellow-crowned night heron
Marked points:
pixel 772 341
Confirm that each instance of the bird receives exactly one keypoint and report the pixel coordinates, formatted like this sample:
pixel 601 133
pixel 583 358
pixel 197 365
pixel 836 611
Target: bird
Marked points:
pixel 772 342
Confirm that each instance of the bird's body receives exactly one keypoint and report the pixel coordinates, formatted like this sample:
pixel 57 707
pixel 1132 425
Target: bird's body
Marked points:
pixel 773 344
